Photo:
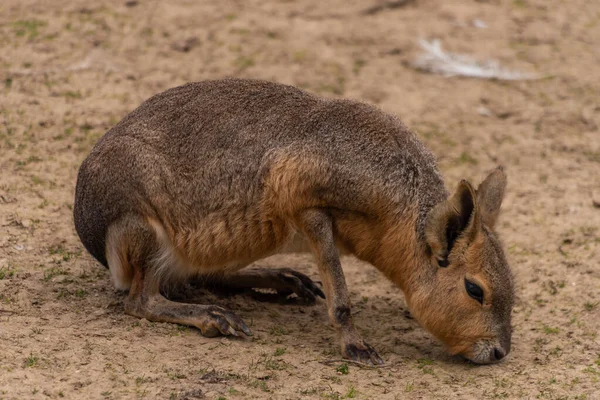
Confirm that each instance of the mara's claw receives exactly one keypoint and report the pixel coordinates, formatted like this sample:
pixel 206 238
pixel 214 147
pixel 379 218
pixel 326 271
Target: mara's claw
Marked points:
pixel 300 284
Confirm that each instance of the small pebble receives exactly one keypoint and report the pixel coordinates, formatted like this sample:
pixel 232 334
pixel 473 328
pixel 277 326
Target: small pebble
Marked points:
pixel 184 45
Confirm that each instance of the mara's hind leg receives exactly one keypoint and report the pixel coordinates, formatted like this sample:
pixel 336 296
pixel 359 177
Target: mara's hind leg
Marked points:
pixel 145 301
pixel 284 281
pixel 145 257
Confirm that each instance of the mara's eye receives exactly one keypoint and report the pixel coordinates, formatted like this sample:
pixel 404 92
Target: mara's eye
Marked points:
pixel 474 291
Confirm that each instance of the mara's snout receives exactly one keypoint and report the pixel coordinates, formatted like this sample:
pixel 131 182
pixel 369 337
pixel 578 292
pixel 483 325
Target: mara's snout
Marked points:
pixel 487 351
pixel 207 178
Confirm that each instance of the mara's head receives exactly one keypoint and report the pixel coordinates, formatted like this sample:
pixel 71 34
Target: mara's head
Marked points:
pixel 469 300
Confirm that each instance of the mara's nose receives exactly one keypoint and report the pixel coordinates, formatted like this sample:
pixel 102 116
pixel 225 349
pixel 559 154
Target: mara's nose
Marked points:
pixel 499 354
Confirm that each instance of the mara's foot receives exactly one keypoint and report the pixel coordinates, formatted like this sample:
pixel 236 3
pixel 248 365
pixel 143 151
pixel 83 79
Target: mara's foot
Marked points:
pixel 211 320
pixel 284 281
pixel 220 321
pixel 361 352
pixel 287 281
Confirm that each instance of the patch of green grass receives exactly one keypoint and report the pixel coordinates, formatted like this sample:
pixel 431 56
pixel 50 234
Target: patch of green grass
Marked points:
pixel 541 302
pixel 591 370
pixel 31 361
pixel 424 364
pixel 20 148
pixel 548 330
pixel 49 83
pixel 502 383
pixel 174 374
pixel 259 384
pixel 588 305
pixel 358 65
pixel 7 272
pixel 343 369
pixel 29 160
pixel 352 393
pixel 593 156
pixel 309 391
pixel 410 386
pixel 273 364
pixel 6 299
pixel 432 131
pixel 234 392
pixel 466 158
pixel 54 271
pixel 299 56
pixel 279 351
pixel 60 250
pixel 29 28
pixel 244 62
pixel 553 287
pixel 140 380
pixel 278 331
pixel 334 88
pixel 66 133
pixel 86 128
pixel 72 94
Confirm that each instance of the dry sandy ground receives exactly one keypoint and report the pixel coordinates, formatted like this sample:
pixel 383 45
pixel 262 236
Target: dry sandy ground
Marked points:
pixel 72 69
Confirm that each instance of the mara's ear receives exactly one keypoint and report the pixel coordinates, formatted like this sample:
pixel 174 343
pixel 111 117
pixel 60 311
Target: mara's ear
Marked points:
pixel 489 196
pixel 448 220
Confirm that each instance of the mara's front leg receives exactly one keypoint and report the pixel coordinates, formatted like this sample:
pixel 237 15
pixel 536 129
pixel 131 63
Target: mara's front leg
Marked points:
pixel 318 228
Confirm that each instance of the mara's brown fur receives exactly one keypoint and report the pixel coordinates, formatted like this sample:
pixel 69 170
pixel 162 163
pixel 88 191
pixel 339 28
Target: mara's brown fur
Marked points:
pixel 206 178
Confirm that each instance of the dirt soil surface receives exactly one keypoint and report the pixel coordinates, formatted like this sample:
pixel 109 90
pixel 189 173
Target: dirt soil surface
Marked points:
pixel 71 69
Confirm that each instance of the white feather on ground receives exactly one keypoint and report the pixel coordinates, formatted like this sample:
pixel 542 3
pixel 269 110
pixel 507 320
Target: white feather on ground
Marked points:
pixel 435 60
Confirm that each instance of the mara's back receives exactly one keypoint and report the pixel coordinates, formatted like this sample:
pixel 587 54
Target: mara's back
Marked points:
pixel 214 160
